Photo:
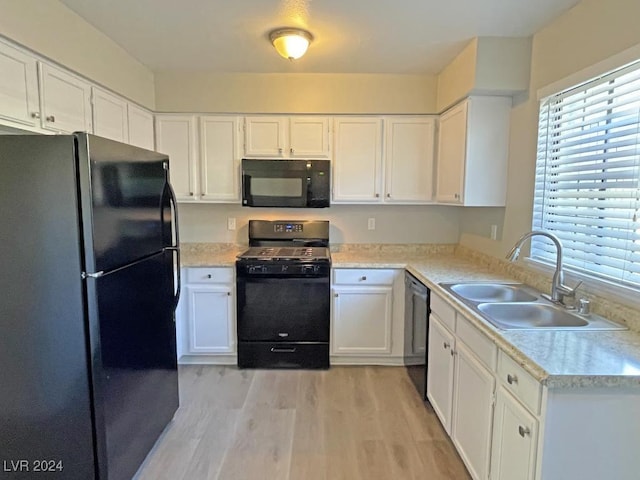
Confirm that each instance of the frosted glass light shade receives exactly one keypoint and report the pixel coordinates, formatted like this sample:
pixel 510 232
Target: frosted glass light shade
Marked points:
pixel 291 43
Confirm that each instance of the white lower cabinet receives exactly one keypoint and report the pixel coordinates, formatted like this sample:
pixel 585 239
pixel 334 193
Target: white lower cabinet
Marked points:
pixel 206 317
pixel 473 390
pixel 461 384
pixel 365 320
pixel 440 371
pixel 210 308
pixel 513 453
pixel 362 320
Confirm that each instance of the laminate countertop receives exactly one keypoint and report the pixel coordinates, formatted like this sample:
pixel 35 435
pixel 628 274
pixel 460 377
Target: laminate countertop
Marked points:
pixel 558 359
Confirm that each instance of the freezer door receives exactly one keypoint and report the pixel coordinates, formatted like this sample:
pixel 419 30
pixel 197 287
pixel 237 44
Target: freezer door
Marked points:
pixel 130 207
pixel 134 361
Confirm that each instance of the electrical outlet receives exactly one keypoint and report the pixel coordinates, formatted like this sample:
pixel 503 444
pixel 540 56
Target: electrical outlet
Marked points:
pixel 494 232
pixel 231 223
pixel 371 224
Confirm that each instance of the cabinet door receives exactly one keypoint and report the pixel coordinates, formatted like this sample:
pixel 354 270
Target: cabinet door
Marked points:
pixel 473 411
pixel 18 87
pixel 65 101
pixel 513 450
pixel 361 320
pixel 265 136
pixel 357 166
pixel 109 116
pixel 210 310
pixel 409 159
pixel 309 137
pixel 140 127
pixel 176 136
pixel 219 160
pixel 452 147
pixel 440 365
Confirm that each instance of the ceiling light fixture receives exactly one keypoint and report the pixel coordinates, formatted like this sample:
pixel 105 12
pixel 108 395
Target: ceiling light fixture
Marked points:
pixel 291 43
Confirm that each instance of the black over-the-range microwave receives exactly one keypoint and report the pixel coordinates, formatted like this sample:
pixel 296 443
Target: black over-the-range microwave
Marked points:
pixel 286 183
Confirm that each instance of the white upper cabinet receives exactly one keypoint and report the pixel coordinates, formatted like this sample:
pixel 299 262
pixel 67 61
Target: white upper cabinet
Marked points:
pixel 110 118
pixel 408 159
pixel 357 163
pixel 309 137
pixel 404 174
pixel 287 137
pixel 65 101
pixel 176 136
pixel 140 127
pixel 219 159
pixel 473 147
pixel 18 87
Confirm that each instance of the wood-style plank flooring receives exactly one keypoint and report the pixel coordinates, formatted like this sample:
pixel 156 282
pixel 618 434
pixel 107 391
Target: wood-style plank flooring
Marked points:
pixel 347 423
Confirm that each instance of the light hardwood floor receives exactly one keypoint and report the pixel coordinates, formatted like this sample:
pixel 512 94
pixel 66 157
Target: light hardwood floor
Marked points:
pixel 346 423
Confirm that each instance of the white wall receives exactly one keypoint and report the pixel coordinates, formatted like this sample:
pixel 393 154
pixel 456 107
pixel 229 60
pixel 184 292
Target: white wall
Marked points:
pixel 295 93
pixel 587 34
pixel 52 30
pixel 394 224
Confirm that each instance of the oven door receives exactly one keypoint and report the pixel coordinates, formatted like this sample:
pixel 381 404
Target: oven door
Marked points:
pixel 283 309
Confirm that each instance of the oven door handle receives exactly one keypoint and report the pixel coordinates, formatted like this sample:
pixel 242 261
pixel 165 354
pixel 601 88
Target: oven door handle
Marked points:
pixel 283 350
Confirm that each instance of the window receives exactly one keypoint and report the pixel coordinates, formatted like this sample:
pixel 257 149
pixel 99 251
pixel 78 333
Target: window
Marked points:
pixel 588 177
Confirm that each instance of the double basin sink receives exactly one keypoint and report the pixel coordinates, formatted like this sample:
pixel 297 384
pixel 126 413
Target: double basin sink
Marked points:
pixel 517 307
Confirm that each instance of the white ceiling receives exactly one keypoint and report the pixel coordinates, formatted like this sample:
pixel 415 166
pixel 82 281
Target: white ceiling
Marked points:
pixel 351 36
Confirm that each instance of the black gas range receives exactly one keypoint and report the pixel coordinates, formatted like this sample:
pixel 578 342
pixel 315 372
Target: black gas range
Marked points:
pixel 283 295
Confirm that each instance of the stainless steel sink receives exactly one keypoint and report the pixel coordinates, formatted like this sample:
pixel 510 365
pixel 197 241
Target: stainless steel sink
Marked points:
pixel 512 306
pixel 493 292
pixel 529 315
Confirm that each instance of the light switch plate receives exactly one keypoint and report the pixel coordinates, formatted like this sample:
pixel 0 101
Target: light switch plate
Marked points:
pixel 371 224
pixel 231 223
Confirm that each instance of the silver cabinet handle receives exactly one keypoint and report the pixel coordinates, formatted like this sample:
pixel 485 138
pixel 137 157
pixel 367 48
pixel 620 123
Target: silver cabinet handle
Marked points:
pixel 35 114
pixel 523 431
pixel 209 275
pixel 335 294
pixel 446 345
pixel 453 352
pixel 511 379
pixel 191 194
pixel 228 294
pixel 279 150
pixel 363 278
pixel 51 118
pixel 291 150
pixel 283 350
pixel 377 195
pixel 388 195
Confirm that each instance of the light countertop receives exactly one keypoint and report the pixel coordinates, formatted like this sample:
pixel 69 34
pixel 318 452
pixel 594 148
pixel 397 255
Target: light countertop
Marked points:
pixel 559 359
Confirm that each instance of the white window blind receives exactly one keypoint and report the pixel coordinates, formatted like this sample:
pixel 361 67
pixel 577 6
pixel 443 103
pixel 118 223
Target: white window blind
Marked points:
pixel 588 177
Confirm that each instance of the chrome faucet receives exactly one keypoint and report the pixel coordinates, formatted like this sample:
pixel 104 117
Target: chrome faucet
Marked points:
pixel 558 289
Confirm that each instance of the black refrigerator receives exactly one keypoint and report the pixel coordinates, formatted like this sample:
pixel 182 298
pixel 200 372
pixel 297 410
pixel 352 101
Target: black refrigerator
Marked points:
pixel 90 280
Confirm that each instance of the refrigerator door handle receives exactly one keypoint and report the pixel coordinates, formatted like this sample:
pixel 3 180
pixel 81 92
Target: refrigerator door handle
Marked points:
pixel 177 274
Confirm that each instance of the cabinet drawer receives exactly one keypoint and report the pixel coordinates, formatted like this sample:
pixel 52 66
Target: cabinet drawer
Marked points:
pixel 444 311
pixel 359 276
pixel 478 343
pixel 210 275
pixel 523 386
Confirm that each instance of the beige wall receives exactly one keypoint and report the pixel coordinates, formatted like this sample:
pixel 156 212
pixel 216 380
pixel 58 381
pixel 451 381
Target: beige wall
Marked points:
pixel 295 93
pixel 394 224
pixel 458 78
pixel 52 30
pixel 486 66
pixel 589 33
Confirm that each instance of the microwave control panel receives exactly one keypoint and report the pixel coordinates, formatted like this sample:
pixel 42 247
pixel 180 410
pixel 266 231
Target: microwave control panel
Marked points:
pixel 288 227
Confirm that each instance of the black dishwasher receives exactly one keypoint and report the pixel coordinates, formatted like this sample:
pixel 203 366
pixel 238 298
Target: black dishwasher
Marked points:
pixel 416 321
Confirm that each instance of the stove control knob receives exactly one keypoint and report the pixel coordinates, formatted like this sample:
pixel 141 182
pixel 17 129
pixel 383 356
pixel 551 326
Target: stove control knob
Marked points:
pixel 285 268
